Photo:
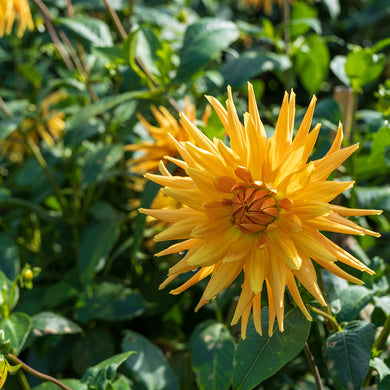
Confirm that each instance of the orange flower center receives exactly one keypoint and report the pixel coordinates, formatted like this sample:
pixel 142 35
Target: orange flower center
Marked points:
pixel 253 208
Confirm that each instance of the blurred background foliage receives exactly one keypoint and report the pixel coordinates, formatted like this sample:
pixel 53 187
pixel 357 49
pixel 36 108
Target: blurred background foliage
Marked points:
pixel 80 294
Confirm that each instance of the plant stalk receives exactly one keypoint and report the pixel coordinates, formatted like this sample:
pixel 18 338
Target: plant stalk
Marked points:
pixel 36 373
pixel 313 366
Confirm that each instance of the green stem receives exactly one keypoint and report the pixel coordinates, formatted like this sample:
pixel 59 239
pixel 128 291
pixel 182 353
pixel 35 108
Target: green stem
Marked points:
pixel 313 366
pixel 382 338
pixel 36 373
pixel 23 380
pixel 122 33
pixel 330 318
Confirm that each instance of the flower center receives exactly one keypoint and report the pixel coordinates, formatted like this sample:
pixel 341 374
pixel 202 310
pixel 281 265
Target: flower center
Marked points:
pixel 253 208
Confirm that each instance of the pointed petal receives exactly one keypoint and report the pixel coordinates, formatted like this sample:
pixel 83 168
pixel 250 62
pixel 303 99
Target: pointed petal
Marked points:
pixel 292 286
pixel 283 248
pixel 256 268
pixel 179 247
pixel 200 275
pixel 304 128
pixel 326 165
pixel 310 244
pixel 308 277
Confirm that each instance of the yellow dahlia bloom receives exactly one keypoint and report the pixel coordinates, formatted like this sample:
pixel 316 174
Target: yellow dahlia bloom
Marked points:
pixel 47 125
pixel 257 206
pixel 162 145
pixel 9 10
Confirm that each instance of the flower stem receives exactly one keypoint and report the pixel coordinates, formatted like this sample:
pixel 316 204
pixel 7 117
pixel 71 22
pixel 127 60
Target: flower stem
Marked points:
pixel 53 34
pixel 384 334
pixel 121 31
pixel 36 373
pixel 23 380
pixel 313 366
pixel 329 317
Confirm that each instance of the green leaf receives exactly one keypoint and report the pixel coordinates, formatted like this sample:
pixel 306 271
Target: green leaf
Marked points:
pixel 299 13
pixel 382 368
pixel 111 302
pixel 312 62
pixel 251 64
pixel 381 144
pixel 47 322
pixel 99 377
pixel 373 197
pixel 73 384
pixel 17 328
pixel 347 354
pixel 7 126
pixel 9 255
pixel 148 366
pixel 203 41
pixel 362 67
pixel 96 243
pixel 98 162
pixel 104 105
pixel 333 7
pixel 92 347
pixel 337 65
pixel 92 30
pixel 352 300
pixel 259 357
pixel 212 348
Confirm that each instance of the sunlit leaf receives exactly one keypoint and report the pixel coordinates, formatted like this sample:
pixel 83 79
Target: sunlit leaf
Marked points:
pixel 203 41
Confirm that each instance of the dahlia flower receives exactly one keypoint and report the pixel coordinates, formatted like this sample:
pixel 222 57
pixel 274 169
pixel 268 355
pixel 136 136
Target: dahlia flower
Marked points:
pixel 9 10
pixel 47 125
pixel 258 207
pixel 162 145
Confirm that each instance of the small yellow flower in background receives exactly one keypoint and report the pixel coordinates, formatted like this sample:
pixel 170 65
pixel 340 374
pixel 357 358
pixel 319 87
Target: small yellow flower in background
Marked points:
pixel 9 10
pixel 266 4
pixel 162 145
pixel 47 125
pixel 257 206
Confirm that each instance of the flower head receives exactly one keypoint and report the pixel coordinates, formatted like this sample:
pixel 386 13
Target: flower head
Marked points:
pixel 257 207
pixel 162 145
pixel 48 125
pixel 9 10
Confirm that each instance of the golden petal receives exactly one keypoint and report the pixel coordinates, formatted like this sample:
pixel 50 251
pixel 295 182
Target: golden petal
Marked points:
pixel 173 215
pixel 326 165
pixel 292 286
pixel 199 275
pixel 310 243
pixel 283 248
pixel 171 181
pixel 179 247
pixel 308 277
pixel 353 212
pixel 256 268
pixel 324 191
pixel 304 128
